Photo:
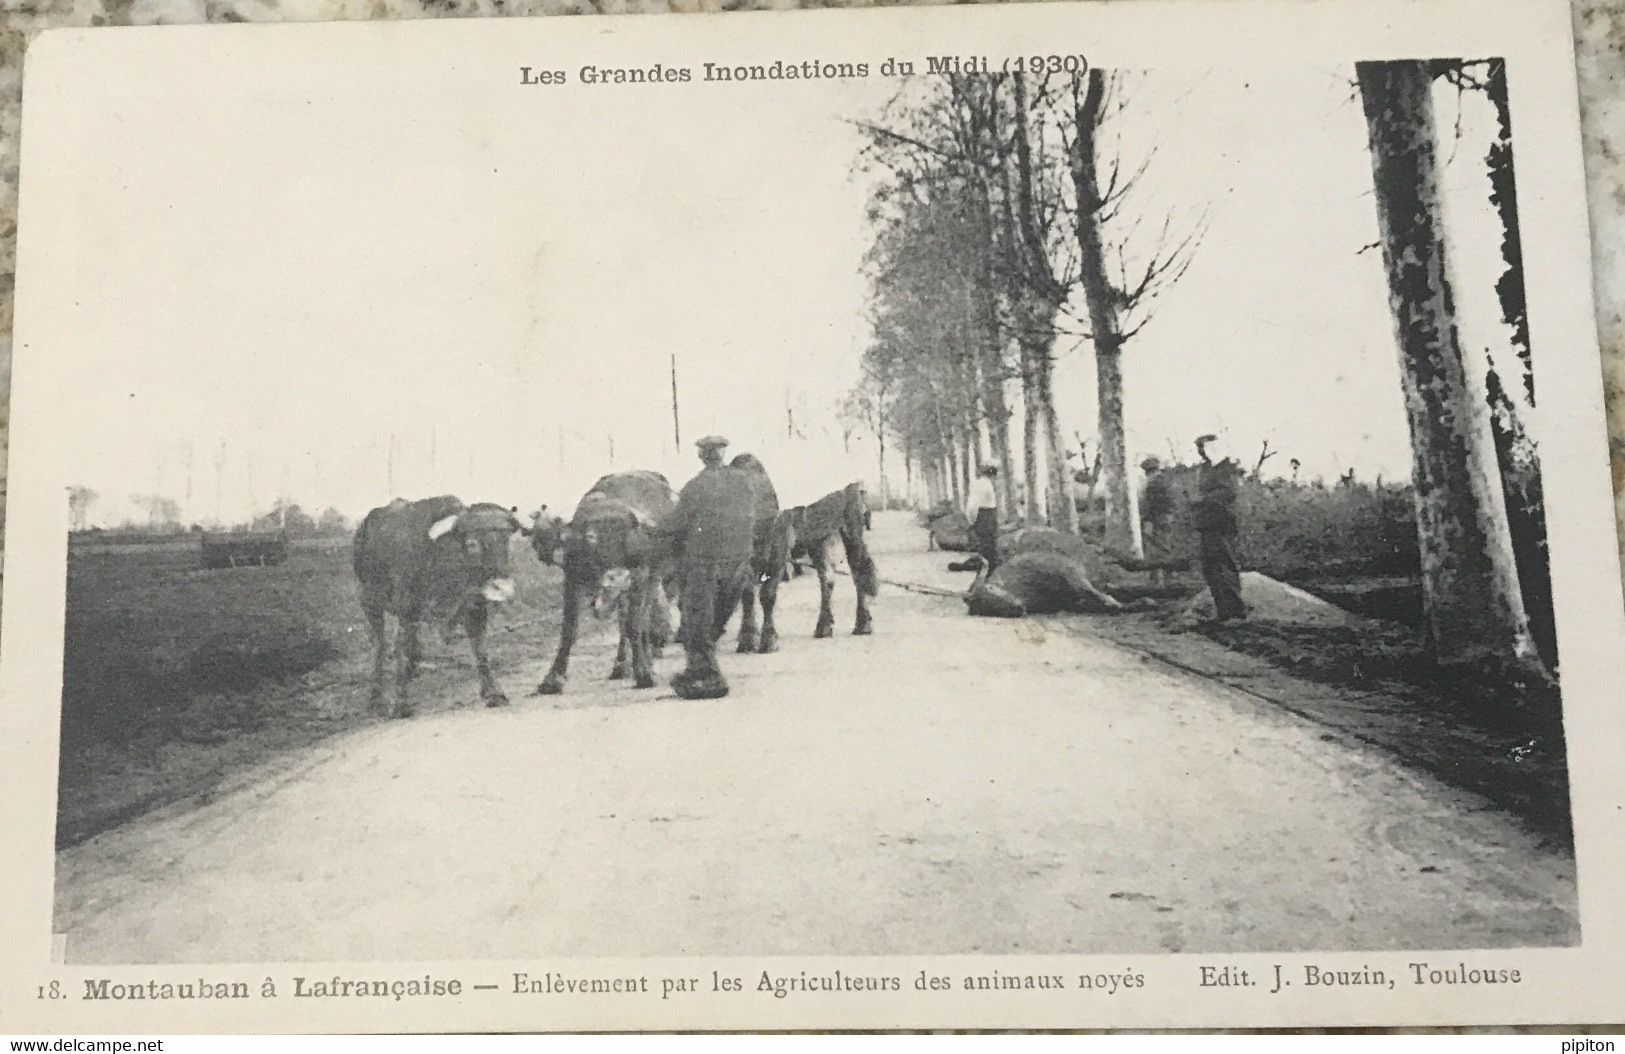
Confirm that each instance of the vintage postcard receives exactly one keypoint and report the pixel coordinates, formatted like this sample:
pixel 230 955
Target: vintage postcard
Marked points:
pixel 1054 515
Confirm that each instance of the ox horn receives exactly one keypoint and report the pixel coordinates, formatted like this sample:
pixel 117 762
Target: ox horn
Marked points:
pixel 441 527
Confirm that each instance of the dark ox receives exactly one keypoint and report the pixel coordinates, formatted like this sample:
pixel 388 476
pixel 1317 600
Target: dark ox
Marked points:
pixel 770 552
pixel 608 551
pixel 434 560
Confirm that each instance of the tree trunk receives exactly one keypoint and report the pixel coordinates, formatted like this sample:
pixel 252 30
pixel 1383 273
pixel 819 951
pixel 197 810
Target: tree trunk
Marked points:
pixel 1509 288
pixel 967 463
pixel 947 477
pixel 990 358
pixel 1106 325
pixel 880 446
pixel 1031 421
pixel 1063 510
pixel 1040 298
pixel 1471 599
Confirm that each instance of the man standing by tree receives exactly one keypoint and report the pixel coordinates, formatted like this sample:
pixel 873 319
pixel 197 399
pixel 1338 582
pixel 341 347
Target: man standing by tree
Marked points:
pixel 711 531
pixel 983 512
pixel 1214 513
pixel 1156 512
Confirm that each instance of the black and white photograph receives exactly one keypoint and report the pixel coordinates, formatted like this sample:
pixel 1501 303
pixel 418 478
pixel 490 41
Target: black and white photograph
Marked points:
pixel 844 508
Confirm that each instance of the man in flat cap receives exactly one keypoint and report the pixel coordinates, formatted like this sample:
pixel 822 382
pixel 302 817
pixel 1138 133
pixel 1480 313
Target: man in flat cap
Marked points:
pixel 710 531
pixel 1214 515
pixel 1156 515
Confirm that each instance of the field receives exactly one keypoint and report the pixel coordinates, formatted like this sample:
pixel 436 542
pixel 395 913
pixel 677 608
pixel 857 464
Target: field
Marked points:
pixel 174 675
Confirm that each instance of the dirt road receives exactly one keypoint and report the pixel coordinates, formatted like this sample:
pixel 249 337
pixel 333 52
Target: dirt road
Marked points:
pixel 949 785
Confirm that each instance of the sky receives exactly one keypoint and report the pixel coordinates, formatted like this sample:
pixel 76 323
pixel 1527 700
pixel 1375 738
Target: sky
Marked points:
pixel 339 296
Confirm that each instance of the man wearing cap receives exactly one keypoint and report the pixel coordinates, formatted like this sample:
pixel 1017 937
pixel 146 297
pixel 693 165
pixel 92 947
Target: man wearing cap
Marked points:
pixel 710 532
pixel 1214 516
pixel 1156 515
pixel 982 509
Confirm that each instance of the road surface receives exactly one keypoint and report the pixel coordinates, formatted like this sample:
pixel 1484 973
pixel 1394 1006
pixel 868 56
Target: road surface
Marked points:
pixel 948 785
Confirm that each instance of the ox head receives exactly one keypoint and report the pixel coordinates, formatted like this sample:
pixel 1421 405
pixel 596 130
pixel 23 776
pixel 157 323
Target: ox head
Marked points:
pixel 603 535
pixel 477 538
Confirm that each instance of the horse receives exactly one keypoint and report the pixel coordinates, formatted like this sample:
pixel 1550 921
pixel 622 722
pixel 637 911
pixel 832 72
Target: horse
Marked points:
pixel 813 528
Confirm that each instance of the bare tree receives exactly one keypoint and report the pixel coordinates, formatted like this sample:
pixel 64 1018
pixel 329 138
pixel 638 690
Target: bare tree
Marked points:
pixel 1120 295
pixel 942 151
pixel 1014 160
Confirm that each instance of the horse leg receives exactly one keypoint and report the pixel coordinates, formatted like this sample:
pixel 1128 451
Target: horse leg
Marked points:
pixel 747 614
pixel 770 633
pixel 780 550
pixel 475 622
pixel 862 569
pixel 826 589
pixel 553 683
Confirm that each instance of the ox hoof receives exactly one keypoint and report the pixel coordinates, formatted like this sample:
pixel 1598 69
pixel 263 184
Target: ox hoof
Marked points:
pixel 823 631
pixel 646 681
pixel 617 673
pixel 863 629
pixel 494 699
pixel 770 644
pixel 551 686
pixel 747 643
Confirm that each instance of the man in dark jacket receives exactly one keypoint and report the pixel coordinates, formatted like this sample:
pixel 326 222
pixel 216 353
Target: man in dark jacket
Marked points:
pixel 1214 517
pixel 711 531
pixel 1156 516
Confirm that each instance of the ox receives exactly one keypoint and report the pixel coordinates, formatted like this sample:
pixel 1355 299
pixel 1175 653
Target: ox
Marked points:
pixel 813 529
pixel 1044 571
pixel 608 550
pixel 432 560
pixel 770 552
